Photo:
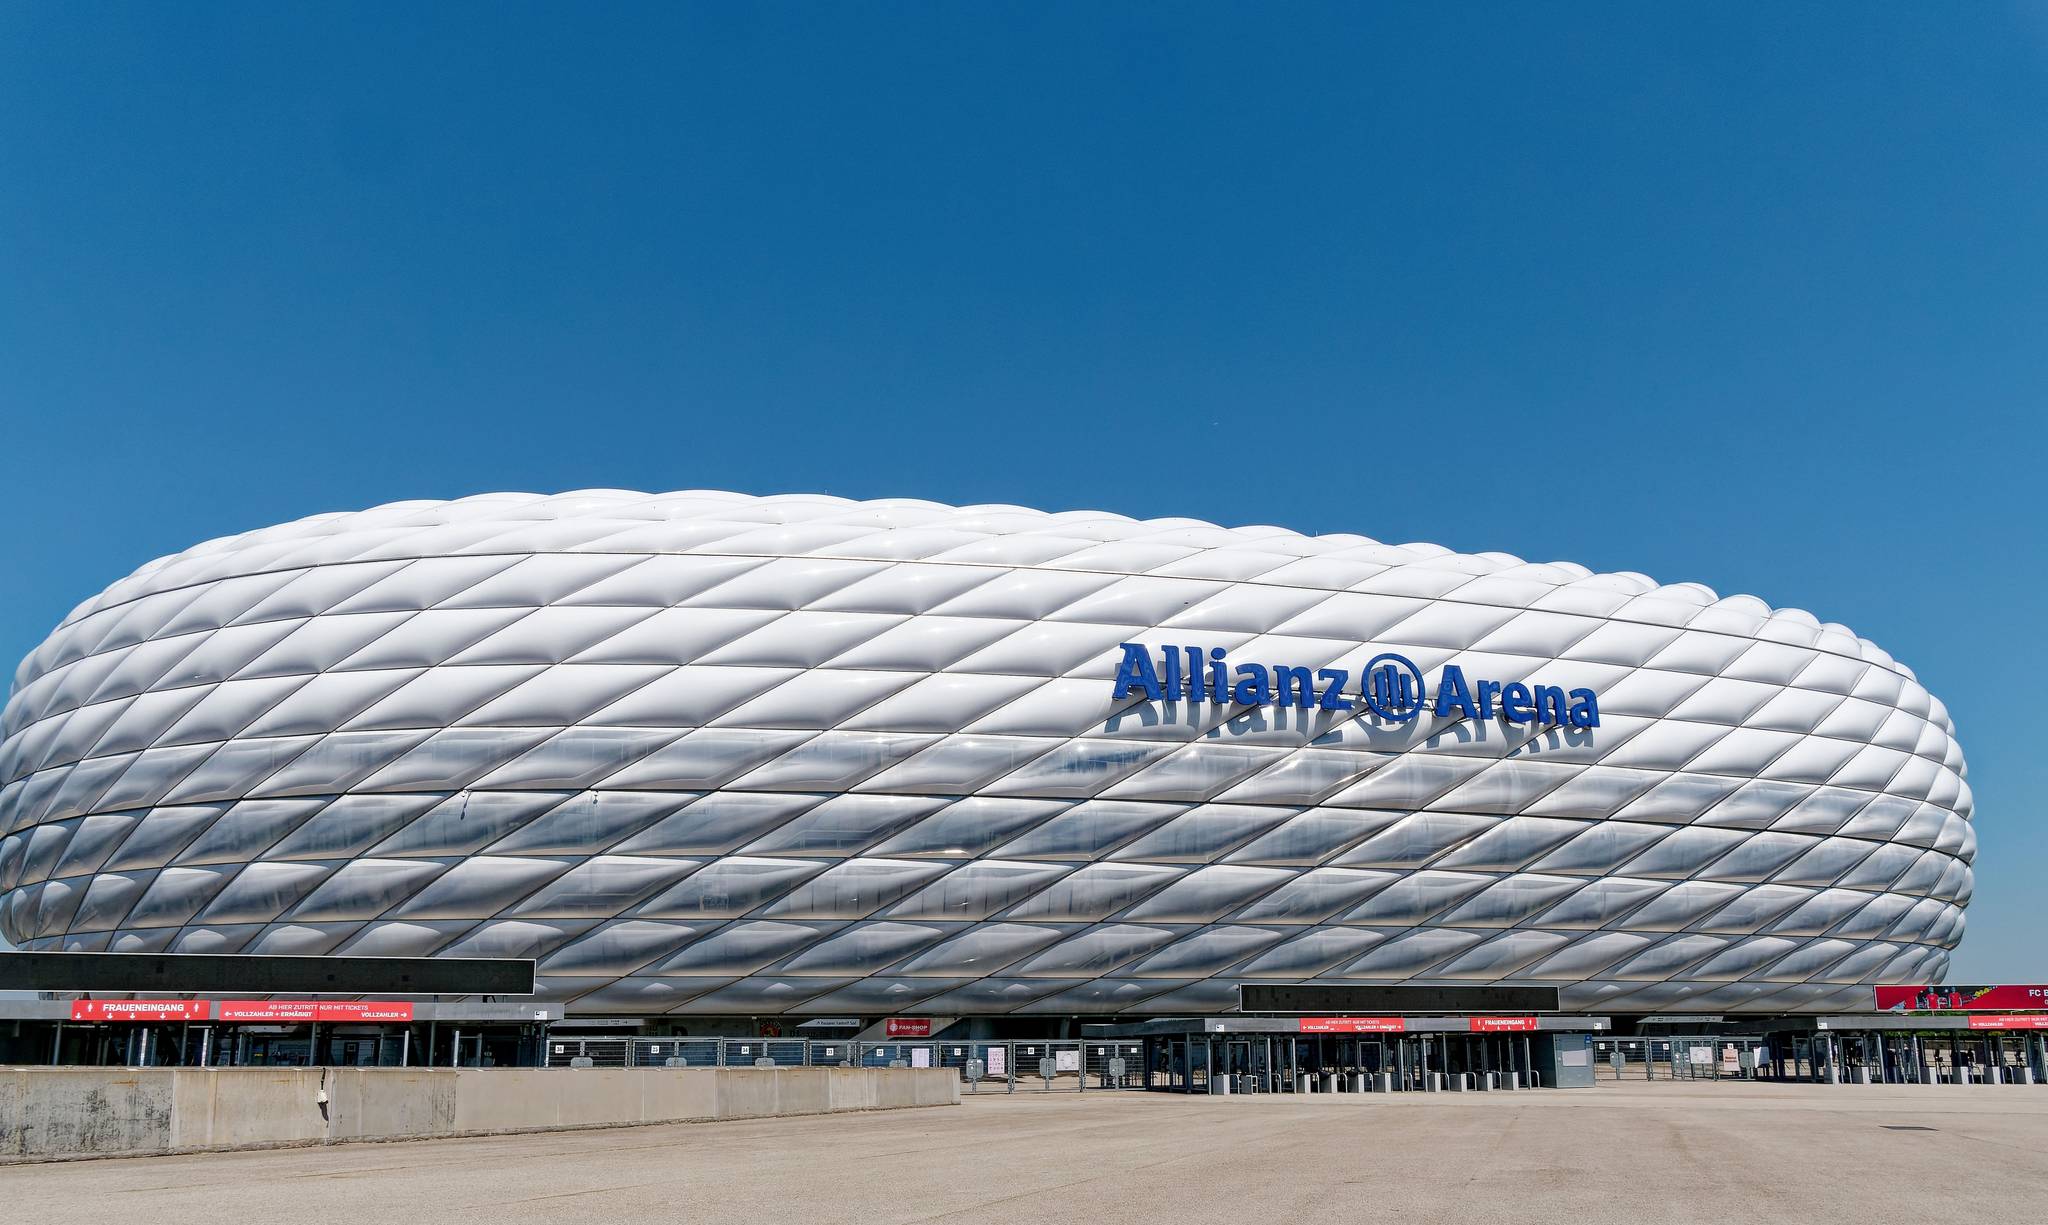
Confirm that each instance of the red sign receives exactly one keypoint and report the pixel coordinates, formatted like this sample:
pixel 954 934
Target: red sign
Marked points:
pixel 1499 1025
pixel 366 1010
pixel 2027 1022
pixel 907 1027
pixel 1961 999
pixel 300 1012
pixel 269 1010
pixel 1353 1025
pixel 140 1010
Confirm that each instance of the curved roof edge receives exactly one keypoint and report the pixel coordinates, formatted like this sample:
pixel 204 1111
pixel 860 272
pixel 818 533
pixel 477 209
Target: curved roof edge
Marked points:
pixel 829 526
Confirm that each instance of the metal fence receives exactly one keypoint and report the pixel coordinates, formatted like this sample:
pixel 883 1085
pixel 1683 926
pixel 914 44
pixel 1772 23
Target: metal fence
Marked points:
pixel 1040 1066
pixel 1679 1057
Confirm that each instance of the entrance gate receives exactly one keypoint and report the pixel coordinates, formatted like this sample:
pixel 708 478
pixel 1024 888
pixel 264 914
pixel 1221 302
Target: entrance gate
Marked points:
pixel 1680 1057
pixel 1928 1057
pixel 1338 1063
pixel 1115 1065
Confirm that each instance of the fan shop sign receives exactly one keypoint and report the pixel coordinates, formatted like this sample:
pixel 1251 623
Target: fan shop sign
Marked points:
pixel 1390 686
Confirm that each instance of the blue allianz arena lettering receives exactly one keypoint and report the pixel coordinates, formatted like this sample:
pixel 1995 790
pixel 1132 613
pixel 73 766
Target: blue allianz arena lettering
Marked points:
pixel 1390 686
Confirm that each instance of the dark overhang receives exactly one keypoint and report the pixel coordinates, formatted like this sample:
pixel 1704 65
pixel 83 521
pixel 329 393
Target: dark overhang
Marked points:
pixel 202 973
pixel 525 1013
pixel 1392 1001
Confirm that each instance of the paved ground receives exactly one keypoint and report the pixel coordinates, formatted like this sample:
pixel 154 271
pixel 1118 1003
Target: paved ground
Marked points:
pixel 1616 1154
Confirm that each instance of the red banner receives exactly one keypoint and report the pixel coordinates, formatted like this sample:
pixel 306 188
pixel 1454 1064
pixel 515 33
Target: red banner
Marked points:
pixel 2027 1022
pixel 367 1010
pixel 1923 998
pixel 1353 1025
pixel 140 1010
pixel 300 1012
pixel 269 1010
pixel 907 1027
pixel 1500 1025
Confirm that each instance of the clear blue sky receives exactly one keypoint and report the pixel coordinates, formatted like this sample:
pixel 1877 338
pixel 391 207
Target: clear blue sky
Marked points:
pixel 1754 296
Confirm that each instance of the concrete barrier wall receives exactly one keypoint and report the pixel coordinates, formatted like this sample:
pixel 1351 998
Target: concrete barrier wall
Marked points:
pixel 53 1113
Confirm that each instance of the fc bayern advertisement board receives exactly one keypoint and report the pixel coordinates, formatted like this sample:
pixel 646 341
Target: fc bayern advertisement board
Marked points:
pixel 2009 997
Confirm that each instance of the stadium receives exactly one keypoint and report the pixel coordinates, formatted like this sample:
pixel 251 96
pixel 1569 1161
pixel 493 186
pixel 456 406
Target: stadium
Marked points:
pixel 712 758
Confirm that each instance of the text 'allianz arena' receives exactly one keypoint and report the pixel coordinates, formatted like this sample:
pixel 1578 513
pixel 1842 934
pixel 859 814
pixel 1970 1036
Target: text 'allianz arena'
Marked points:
pixel 718 755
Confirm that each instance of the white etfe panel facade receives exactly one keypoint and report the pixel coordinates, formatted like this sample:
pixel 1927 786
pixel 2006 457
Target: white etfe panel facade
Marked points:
pixel 710 754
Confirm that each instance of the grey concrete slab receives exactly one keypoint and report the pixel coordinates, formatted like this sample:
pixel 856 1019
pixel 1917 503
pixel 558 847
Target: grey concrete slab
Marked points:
pixel 1615 1154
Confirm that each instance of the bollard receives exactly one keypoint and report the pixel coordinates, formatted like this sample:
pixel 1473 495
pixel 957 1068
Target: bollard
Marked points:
pixel 1863 1076
pixel 1994 1075
pixel 1358 1082
pixel 1308 1083
pixel 2026 1076
pixel 1383 1083
pixel 1514 1080
pixel 1329 1082
pixel 1492 1082
pixel 1432 1082
pixel 1962 1076
pixel 1219 1085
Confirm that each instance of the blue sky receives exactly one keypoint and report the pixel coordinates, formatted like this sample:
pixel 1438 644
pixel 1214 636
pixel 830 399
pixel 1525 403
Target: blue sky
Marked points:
pixel 1752 296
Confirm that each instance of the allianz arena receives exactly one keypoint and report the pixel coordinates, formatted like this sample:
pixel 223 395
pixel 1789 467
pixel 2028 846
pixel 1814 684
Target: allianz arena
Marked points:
pixel 715 755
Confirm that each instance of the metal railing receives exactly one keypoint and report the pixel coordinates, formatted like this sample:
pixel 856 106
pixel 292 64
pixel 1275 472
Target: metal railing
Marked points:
pixel 1044 1065
pixel 1677 1057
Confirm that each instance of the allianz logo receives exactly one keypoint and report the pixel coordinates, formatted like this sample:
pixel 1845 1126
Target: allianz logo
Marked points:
pixel 1390 686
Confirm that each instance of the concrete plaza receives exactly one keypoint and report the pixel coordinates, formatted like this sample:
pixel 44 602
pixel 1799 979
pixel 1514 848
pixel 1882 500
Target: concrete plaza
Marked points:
pixel 1618 1153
